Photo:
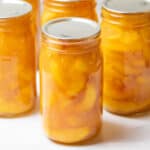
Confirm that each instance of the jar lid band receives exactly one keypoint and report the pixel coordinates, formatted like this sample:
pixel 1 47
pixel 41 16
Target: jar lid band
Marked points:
pixel 127 6
pixel 13 8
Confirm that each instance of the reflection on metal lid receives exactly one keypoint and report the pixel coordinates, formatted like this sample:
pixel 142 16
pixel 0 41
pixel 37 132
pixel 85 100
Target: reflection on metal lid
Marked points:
pixel 13 8
pixel 127 6
pixel 71 28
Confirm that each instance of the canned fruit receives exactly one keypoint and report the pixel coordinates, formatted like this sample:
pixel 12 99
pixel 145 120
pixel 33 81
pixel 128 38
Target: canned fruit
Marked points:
pixel 17 64
pixel 126 64
pixel 17 74
pixel 71 80
pixel 58 9
pixel 36 26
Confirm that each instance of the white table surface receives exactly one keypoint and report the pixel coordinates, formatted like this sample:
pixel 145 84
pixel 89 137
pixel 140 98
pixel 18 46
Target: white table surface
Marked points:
pixel 118 133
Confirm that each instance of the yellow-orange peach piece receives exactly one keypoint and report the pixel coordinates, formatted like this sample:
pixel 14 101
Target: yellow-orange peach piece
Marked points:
pixel 69 135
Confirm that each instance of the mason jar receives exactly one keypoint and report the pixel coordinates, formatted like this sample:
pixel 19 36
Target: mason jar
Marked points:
pixel 71 79
pixel 126 48
pixel 36 14
pixel 69 8
pixel 17 58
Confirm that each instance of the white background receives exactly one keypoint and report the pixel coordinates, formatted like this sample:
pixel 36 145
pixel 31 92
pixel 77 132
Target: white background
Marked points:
pixel 118 133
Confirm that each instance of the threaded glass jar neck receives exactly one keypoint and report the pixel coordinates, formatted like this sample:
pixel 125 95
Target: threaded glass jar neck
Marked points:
pixel 60 5
pixel 71 46
pixel 15 16
pixel 131 20
pixel 16 24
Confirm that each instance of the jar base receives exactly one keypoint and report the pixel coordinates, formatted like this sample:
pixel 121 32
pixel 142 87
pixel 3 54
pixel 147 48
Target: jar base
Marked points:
pixel 133 113
pixel 84 141
pixel 20 114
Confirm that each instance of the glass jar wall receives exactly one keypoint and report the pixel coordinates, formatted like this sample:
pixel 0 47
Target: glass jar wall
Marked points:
pixel 17 59
pixel 36 24
pixel 71 80
pixel 126 47
pixel 70 8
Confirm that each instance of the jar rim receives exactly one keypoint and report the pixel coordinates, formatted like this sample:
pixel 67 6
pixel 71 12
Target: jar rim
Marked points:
pixel 129 7
pixel 82 47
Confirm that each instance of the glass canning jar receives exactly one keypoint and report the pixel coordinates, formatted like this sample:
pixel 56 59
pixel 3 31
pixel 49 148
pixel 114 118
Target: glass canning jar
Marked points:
pixel 69 8
pixel 17 58
pixel 71 79
pixel 126 47
pixel 36 24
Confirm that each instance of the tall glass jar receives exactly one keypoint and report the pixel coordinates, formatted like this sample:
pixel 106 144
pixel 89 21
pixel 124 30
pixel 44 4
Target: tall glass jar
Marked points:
pixel 17 58
pixel 71 79
pixel 126 48
pixel 69 8
pixel 36 24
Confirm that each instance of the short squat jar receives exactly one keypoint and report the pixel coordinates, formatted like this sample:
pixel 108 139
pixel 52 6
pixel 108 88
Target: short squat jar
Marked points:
pixel 17 58
pixel 126 48
pixel 71 79
pixel 69 8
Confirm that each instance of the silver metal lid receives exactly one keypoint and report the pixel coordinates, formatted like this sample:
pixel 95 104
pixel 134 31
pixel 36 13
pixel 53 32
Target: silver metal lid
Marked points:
pixel 13 8
pixel 68 0
pixel 71 28
pixel 127 6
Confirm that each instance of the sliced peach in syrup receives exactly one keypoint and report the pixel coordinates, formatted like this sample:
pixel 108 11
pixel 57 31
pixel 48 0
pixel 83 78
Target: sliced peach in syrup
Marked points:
pixel 66 77
pixel 145 32
pixel 113 31
pixel 89 100
pixel 69 135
